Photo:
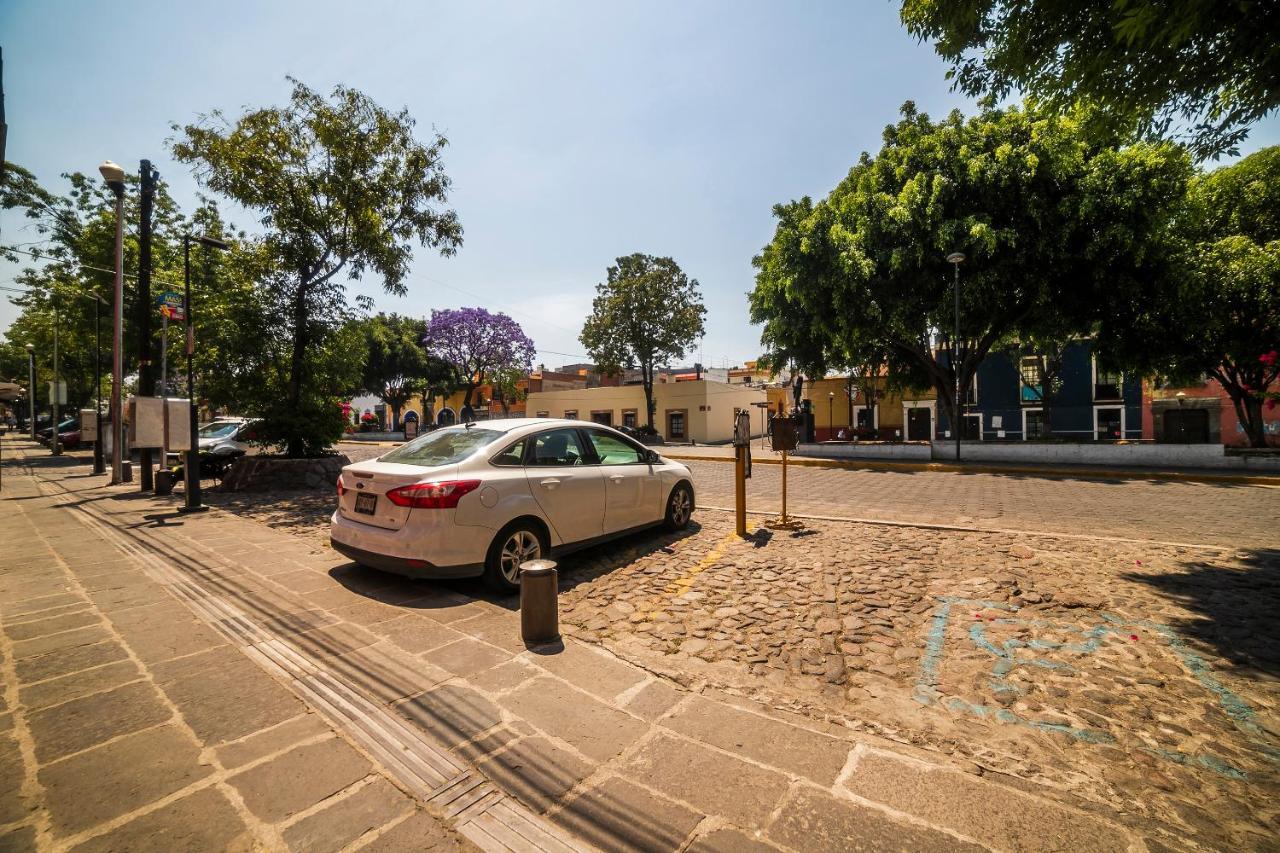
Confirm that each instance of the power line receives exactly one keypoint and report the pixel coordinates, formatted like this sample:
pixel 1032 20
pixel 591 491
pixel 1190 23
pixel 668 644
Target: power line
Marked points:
pixel 82 266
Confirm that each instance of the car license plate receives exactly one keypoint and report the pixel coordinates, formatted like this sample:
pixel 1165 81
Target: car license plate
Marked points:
pixel 366 503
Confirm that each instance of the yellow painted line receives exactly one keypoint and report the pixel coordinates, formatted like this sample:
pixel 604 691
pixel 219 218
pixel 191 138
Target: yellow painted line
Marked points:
pixel 684 583
pixel 1260 480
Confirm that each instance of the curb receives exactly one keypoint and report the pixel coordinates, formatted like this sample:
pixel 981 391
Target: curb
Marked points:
pixel 1264 481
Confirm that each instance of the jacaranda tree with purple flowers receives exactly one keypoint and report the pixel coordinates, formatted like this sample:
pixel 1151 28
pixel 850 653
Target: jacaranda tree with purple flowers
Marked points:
pixel 478 343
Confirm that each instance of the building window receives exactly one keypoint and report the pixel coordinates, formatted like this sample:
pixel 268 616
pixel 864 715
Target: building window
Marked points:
pixel 1032 424
pixel 542 414
pixel 675 425
pixel 629 418
pixel 1032 380
pixel 602 416
pixel 1106 384
pixel 1108 423
pixel 571 414
pixel 971 395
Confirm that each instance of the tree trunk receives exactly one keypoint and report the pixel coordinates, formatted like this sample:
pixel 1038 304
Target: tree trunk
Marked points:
pixel 648 401
pixel 470 389
pixel 1252 421
pixel 294 446
pixel 395 416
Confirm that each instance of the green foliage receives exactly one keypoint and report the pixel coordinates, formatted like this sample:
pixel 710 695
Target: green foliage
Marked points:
pixel 397 368
pixel 1055 229
pixel 646 312
pixel 506 387
pixel 315 425
pixel 1207 65
pixel 341 186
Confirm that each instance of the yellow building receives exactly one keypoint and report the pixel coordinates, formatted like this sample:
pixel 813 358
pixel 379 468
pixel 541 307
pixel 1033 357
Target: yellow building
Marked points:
pixel 895 417
pixel 700 411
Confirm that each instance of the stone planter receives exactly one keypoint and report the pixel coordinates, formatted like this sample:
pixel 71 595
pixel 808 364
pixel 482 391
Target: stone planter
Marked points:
pixel 271 473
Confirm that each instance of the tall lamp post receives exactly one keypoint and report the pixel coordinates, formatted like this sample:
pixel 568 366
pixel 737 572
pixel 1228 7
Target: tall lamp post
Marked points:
pixel 31 389
pixel 956 259
pixel 191 467
pixel 831 418
pixel 99 466
pixel 54 444
pixel 114 176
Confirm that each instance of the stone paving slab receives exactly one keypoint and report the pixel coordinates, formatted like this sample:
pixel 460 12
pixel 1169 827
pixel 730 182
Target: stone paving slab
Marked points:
pixel 625 757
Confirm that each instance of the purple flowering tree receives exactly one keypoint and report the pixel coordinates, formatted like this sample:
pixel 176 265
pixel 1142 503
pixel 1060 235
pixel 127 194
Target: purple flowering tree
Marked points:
pixel 478 343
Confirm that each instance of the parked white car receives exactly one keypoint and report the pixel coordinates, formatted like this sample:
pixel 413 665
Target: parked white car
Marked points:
pixel 225 436
pixel 480 499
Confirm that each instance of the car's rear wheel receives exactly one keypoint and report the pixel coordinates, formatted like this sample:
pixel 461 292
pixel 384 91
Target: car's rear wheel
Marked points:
pixel 516 543
pixel 679 507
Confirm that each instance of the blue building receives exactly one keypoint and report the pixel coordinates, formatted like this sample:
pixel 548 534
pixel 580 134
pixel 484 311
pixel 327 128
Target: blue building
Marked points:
pixel 1092 404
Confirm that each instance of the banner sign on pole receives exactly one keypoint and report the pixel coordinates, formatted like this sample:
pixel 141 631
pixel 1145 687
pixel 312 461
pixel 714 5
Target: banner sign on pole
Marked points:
pixel 171 305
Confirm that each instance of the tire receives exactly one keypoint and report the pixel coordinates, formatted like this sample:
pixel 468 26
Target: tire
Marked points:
pixel 517 542
pixel 679 507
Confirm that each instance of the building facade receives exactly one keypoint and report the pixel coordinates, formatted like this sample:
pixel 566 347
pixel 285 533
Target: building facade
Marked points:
pixel 1200 413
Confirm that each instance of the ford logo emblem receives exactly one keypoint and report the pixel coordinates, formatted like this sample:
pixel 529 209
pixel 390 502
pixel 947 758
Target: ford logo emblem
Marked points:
pixel 359 485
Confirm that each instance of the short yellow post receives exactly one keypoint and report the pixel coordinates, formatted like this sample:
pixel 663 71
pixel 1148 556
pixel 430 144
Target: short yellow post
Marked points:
pixel 740 488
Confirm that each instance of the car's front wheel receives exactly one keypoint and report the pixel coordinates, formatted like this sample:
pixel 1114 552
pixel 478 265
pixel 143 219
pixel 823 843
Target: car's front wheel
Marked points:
pixel 515 544
pixel 679 507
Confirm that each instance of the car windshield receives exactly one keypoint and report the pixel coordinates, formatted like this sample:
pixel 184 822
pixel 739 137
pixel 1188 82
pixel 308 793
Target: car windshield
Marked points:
pixel 218 430
pixel 442 447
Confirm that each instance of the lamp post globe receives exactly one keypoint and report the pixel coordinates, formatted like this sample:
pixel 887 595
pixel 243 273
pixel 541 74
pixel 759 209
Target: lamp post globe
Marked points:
pixel 112 173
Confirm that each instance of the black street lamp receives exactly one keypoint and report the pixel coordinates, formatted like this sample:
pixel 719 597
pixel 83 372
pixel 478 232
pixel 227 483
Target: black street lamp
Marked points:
pixel 99 464
pixel 831 406
pixel 114 177
pixel 191 468
pixel 31 389
pixel 956 258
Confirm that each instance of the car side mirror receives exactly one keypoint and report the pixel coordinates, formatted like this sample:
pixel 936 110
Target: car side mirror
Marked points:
pixel 652 457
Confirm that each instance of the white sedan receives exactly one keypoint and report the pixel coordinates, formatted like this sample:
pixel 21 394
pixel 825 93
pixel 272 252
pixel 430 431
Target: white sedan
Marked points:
pixel 480 499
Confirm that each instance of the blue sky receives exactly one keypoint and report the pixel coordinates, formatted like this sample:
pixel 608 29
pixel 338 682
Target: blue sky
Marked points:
pixel 578 131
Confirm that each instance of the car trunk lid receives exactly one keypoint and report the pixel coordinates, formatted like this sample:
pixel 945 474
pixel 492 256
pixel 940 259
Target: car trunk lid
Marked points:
pixel 365 486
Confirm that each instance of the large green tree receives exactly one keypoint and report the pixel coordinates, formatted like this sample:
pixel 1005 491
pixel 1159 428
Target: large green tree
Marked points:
pixel 397 368
pixel 1210 67
pixel 1052 224
pixel 341 187
pixel 646 312
pixel 1220 315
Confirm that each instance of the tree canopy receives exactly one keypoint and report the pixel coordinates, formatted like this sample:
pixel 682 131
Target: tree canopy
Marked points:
pixel 646 313
pixel 397 368
pixel 1056 228
pixel 479 344
pixel 1209 66
pixel 341 187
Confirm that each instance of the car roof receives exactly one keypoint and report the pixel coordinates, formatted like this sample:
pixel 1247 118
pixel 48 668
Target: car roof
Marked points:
pixel 514 424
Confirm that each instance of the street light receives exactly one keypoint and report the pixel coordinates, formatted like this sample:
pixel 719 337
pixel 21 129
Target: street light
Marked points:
pixel 191 467
pixel 956 258
pixel 831 405
pixel 114 176
pixel 31 388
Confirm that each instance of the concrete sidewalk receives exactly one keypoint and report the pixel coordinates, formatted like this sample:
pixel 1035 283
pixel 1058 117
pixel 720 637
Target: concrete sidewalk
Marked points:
pixel 206 681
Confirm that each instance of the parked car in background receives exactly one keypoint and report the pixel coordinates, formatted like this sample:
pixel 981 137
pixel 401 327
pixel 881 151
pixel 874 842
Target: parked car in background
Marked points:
pixel 63 426
pixel 226 436
pixel 480 499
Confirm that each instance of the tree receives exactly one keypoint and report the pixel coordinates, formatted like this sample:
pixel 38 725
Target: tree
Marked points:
pixel 1147 63
pixel 1221 315
pixel 647 312
pixel 341 187
pixel 506 387
pixel 1052 223
pixel 478 345
pixel 397 367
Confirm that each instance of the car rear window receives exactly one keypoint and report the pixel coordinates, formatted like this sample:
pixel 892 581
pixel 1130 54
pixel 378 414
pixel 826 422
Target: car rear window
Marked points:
pixel 443 447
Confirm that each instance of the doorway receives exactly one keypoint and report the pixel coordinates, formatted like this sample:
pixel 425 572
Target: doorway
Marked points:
pixel 919 425
pixel 1186 426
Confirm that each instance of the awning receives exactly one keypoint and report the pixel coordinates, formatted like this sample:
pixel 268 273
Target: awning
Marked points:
pixel 10 391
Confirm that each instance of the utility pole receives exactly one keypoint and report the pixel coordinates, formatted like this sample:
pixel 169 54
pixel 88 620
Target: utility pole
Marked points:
pixel 956 258
pixel 53 401
pixel 146 382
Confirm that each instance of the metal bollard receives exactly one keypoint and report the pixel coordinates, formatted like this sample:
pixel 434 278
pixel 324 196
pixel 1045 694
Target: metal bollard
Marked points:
pixel 539 598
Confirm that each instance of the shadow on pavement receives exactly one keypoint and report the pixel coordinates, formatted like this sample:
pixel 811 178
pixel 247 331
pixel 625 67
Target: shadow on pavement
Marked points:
pixel 1238 605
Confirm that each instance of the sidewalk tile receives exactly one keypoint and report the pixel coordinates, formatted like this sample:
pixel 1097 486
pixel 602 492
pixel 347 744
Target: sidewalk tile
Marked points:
pixel 104 783
pixel 505 676
pixel 90 720
pixel 300 778
pixel 466 656
pixel 716 783
pixel 337 825
pixel 618 815
pixel 333 640
pixel 813 820
pixel 67 687
pixel 205 820
pixel 451 713
pixel 276 739
pixel 41 627
pixel 70 660
pixel 729 841
pixel 1008 819
pixel 12 774
pixel 536 771
pixel 805 753
pixel 654 700
pixel 416 834
pixel 88 635
pixel 387 673
pixel 231 702
pixel 416 633
pixel 592 670
pixel 595 729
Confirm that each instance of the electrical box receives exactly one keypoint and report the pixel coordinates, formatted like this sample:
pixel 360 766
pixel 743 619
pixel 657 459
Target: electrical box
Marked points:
pixel 88 425
pixel 178 411
pixel 784 433
pixel 145 417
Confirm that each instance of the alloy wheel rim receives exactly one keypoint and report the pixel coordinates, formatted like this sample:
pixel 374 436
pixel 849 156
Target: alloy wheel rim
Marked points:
pixel 680 506
pixel 520 547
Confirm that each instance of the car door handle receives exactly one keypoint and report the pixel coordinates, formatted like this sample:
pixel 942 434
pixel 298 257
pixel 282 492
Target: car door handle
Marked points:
pixel 617 478
pixel 550 483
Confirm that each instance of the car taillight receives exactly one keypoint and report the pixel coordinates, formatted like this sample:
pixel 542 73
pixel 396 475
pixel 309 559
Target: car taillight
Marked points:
pixel 342 490
pixel 432 495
